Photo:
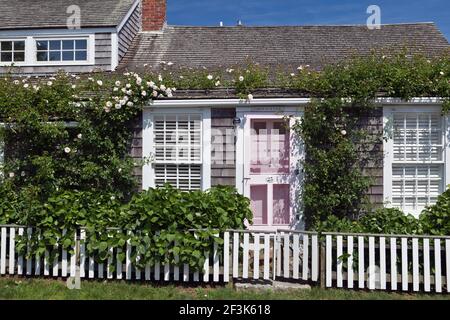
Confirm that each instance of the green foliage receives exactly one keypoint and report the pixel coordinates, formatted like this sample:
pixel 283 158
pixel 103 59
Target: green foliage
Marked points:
pixel 154 220
pixel 435 220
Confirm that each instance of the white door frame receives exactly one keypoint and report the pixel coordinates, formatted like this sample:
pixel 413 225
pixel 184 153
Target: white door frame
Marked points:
pixel 246 114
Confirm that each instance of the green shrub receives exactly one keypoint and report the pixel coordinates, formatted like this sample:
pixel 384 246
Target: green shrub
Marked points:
pixel 154 219
pixel 435 220
pixel 381 221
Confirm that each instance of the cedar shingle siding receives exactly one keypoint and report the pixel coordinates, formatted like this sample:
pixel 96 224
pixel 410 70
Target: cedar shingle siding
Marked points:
pixel 129 31
pixel 223 155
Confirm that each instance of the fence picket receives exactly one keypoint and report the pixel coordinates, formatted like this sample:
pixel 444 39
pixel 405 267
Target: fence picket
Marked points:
pixel 339 278
pixel 148 272
pixel 382 263
pixel 235 255
pixel 372 275
pixel 176 268
pixel 315 258
pixel 245 256
pixel 295 258
pixel 46 263
pixel 286 255
pixel 415 254
pixel 157 270
pixel 393 264
pixel 100 270
pixel 426 265
pixel 361 271
pixel 12 250
pixel 437 266
pixel 128 260
pixel 55 271
pixel 29 259
pixel 119 265
pixel 206 268
pixel 20 258
pixel 196 276
pixel 166 271
pixel 226 257
pixel 405 274
pixel 305 260
pixel 37 266
pixel 266 257
pixel 256 257
pixel 109 273
pixel 64 258
pixel 82 253
pixel 3 251
pixel 328 249
pixel 216 265
pixel 277 260
pixel 73 258
pixel 350 262
pixel 91 267
pixel 447 250
pixel 186 273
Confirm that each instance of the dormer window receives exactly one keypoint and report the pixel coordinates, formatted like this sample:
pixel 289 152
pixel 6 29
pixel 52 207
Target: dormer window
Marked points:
pixel 61 50
pixel 12 51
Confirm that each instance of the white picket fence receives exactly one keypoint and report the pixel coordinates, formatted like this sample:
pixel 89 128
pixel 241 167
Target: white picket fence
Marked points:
pixel 246 255
pixel 352 261
pixel 387 262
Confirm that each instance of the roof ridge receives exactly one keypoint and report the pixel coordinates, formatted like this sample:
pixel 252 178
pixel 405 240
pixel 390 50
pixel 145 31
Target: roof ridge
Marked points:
pixel 300 26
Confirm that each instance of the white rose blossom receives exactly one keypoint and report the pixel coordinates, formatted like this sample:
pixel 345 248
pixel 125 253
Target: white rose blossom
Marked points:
pixel 67 150
pixel 117 83
pixel 144 93
pixel 210 77
pixel 49 83
pixel 100 82
pixel 344 132
pixel 11 174
pixel 241 78
pixel 130 104
pixel 118 106
pixel 128 86
pixel 79 136
pixel 250 97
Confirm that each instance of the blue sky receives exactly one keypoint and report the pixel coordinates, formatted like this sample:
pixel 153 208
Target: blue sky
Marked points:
pixel 306 12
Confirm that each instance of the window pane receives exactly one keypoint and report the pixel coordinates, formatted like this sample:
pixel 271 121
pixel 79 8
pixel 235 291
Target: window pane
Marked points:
pixel 42 56
pixel 55 45
pixel 258 197
pixel 81 44
pixel 6 45
pixel 19 56
pixel 6 56
pixel 19 45
pixel 67 55
pixel 81 55
pixel 42 45
pixel 67 44
pixel 55 56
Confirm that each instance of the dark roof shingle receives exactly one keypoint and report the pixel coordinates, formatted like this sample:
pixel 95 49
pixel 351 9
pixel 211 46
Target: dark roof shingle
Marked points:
pixel 216 47
pixel 27 14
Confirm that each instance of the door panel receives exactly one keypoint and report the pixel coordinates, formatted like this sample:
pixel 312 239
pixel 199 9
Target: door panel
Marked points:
pixel 281 203
pixel 258 196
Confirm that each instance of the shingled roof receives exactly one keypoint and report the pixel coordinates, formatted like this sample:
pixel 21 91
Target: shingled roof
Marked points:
pixel 27 14
pixel 216 47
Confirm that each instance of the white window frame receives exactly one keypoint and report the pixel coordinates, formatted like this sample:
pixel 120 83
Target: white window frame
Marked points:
pixel 90 50
pixel 388 146
pixel 16 63
pixel 31 50
pixel 148 170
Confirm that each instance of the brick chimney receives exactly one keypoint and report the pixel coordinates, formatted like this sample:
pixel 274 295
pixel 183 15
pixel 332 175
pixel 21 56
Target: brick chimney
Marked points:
pixel 153 15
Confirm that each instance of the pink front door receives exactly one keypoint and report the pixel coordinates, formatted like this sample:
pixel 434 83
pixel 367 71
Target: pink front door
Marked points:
pixel 269 170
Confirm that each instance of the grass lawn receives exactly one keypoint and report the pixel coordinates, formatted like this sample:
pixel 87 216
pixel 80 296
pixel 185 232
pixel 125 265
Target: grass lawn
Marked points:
pixel 40 289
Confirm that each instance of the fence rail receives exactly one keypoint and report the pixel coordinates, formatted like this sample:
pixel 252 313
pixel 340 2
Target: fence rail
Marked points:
pixel 351 261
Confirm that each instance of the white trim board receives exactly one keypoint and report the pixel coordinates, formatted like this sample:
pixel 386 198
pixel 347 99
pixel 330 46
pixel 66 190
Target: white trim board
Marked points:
pixel 128 15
